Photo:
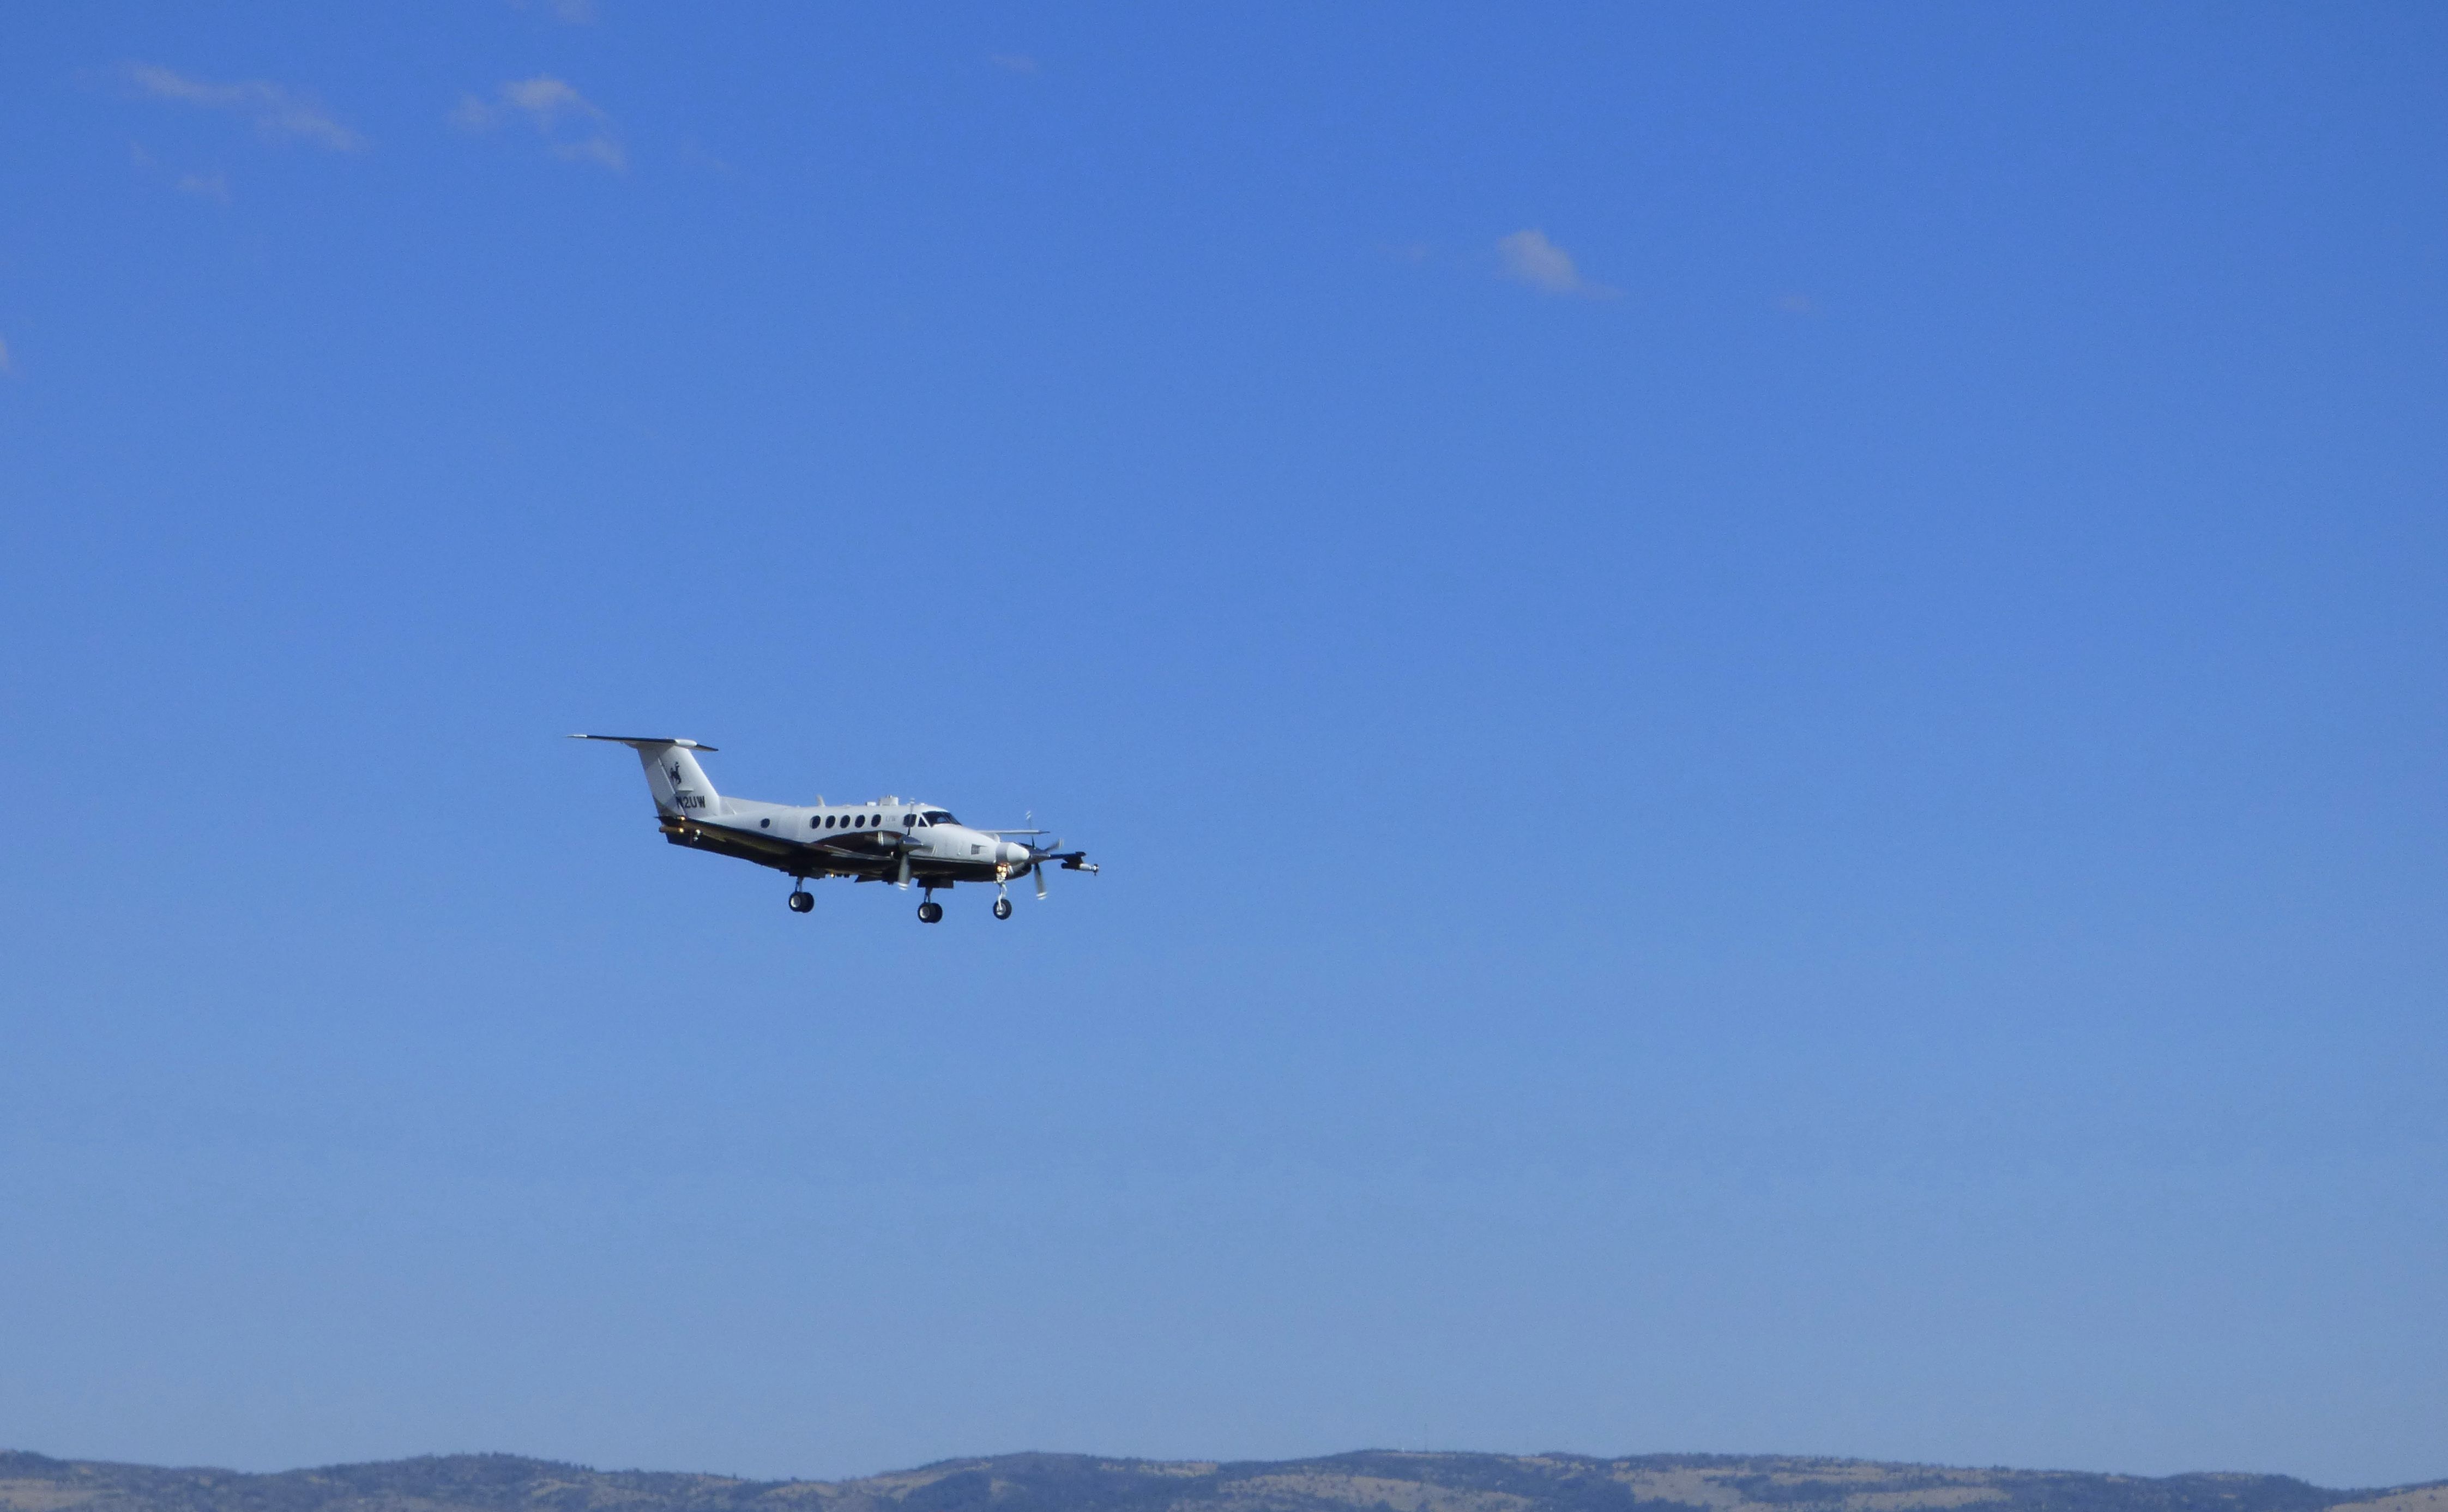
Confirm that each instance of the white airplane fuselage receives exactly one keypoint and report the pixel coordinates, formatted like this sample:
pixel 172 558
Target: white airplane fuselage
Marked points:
pixel 838 839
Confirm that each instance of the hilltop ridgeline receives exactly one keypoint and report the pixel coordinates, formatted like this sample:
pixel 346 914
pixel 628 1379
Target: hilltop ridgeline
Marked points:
pixel 1374 1481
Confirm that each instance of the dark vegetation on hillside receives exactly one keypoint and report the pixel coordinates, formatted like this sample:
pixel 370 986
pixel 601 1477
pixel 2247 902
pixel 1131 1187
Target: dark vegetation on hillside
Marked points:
pixel 1365 1482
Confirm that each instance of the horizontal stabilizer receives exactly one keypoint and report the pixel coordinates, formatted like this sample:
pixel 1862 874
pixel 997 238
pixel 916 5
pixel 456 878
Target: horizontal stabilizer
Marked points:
pixel 642 742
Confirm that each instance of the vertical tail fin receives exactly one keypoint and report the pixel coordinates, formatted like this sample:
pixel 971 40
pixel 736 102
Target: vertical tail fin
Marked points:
pixel 679 784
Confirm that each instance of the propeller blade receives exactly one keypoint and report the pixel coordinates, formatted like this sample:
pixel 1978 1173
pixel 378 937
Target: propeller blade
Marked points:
pixel 1041 884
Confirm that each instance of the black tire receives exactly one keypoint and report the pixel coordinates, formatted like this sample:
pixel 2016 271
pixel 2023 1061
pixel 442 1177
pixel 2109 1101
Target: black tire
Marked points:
pixel 930 912
pixel 801 902
pixel 1002 908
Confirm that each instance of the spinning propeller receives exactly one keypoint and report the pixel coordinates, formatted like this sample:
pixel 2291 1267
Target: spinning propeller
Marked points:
pixel 1052 851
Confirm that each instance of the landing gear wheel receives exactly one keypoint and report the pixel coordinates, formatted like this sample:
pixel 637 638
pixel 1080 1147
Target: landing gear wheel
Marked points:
pixel 1002 908
pixel 802 902
pixel 931 911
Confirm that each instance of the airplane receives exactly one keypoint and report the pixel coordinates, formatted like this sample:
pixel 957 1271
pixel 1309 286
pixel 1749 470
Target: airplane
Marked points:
pixel 885 839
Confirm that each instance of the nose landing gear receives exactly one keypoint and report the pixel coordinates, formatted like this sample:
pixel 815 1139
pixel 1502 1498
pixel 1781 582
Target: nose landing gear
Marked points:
pixel 931 911
pixel 1002 908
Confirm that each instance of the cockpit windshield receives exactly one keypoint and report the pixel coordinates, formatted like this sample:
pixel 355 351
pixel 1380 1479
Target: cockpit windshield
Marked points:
pixel 939 816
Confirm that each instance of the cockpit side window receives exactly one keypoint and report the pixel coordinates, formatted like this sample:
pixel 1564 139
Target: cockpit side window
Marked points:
pixel 939 816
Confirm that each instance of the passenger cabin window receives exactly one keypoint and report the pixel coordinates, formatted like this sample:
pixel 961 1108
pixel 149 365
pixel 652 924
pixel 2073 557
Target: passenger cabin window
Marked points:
pixel 909 821
pixel 829 821
pixel 764 823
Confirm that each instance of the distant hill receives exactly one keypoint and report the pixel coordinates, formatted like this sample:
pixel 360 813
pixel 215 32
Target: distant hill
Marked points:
pixel 1373 1481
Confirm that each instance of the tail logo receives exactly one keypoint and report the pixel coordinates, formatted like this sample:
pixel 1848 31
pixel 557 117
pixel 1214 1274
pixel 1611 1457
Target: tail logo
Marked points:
pixel 680 796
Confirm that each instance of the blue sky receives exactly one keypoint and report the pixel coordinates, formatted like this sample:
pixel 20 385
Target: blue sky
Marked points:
pixel 1759 686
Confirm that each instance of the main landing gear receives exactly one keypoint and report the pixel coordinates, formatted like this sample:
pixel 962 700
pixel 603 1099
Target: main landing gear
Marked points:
pixel 931 911
pixel 801 900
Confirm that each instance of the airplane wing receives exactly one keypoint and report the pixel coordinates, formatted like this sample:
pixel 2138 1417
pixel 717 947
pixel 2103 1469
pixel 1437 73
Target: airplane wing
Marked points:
pixel 864 847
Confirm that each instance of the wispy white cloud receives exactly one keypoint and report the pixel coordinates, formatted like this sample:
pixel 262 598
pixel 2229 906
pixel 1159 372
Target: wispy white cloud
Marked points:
pixel 1531 259
pixel 207 186
pixel 548 105
pixel 547 99
pixel 275 110
pixel 1013 62
pixel 594 150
